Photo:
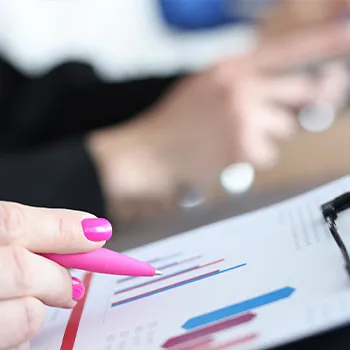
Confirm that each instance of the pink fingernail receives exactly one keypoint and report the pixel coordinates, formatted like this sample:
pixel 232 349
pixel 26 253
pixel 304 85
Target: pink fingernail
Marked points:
pixel 97 230
pixel 78 289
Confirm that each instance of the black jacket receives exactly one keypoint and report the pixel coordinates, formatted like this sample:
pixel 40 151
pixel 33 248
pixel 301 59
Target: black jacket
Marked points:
pixel 43 161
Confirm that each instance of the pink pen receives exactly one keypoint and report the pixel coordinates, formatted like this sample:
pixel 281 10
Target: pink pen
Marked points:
pixel 104 261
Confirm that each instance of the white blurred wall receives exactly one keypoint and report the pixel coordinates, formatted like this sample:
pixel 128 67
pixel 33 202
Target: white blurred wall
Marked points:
pixel 121 38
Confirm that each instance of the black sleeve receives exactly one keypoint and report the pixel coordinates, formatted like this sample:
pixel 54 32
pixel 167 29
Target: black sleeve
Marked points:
pixel 56 109
pixel 60 175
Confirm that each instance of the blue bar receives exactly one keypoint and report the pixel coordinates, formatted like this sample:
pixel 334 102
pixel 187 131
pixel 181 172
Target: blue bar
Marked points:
pixel 142 296
pixel 234 309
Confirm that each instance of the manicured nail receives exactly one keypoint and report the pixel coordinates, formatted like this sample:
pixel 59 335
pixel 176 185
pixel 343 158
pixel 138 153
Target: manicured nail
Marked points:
pixel 78 289
pixel 97 230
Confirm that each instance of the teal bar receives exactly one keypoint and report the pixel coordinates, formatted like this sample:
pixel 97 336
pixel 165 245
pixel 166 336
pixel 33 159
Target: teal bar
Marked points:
pixel 235 309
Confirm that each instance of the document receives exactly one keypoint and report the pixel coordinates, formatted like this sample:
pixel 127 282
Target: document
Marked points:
pixel 249 282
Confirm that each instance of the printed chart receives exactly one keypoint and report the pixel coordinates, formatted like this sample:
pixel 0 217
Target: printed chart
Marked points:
pixel 182 282
pixel 224 286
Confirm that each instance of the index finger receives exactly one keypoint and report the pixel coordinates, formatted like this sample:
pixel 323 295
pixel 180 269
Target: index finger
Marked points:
pixel 43 230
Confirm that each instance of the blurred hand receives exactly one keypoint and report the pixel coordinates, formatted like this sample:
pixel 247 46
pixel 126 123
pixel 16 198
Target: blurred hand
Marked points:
pixel 236 111
pixel 227 114
pixel 287 16
pixel 29 281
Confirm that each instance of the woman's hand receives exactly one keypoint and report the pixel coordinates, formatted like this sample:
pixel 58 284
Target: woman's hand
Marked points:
pixel 29 281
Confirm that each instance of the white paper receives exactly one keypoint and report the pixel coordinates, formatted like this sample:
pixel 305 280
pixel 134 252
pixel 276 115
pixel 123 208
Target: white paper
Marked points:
pixel 285 280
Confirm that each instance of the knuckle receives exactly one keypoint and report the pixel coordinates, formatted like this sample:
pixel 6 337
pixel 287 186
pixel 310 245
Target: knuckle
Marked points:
pixel 33 316
pixel 11 221
pixel 63 232
pixel 21 271
pixel 219 75
pixel 230 89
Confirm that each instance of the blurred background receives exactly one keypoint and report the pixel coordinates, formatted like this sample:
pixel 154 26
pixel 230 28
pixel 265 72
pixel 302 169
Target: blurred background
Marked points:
pixel 83 83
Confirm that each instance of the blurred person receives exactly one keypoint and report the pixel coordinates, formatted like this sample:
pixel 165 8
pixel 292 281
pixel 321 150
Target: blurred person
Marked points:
pixel 70 140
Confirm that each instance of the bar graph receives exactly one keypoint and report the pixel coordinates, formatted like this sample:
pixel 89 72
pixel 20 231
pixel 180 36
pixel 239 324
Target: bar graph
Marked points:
pixel 201 330
pixel 179 283
pixel 234 309
pixel 209 330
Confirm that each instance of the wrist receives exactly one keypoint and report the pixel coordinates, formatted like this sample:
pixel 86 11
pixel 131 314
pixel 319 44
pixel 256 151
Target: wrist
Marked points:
pixel 129 163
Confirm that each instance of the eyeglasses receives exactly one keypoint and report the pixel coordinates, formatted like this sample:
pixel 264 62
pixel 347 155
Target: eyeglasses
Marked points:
pixel 330 211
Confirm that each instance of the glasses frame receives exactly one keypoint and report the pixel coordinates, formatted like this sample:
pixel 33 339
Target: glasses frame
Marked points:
pixel 330 211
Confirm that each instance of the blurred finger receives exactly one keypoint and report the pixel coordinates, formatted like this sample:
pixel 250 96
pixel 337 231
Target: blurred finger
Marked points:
pixel 292 91
pixel 290 15
pixel 310 45
pixel 264 154
pixel 333 81
pixel 256 148
pixel 51 230
pixel 23 274
pixel 20 320
pixel 276 122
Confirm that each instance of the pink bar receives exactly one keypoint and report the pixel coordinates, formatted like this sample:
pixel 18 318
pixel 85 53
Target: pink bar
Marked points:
pixel 236 342
pixel 208 330
pixel 200 344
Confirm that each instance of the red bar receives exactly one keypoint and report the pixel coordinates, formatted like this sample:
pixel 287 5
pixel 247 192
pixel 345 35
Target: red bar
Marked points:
pixel 236 342
pixel 72 327
pixel 208 330
pixel 212 263
pixel 167 277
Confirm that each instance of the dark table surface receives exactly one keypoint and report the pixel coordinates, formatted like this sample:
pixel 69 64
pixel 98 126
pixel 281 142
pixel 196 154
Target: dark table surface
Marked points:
pixel 147 230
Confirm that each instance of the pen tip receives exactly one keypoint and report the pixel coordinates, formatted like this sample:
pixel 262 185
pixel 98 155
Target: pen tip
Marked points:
pixel 157 273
